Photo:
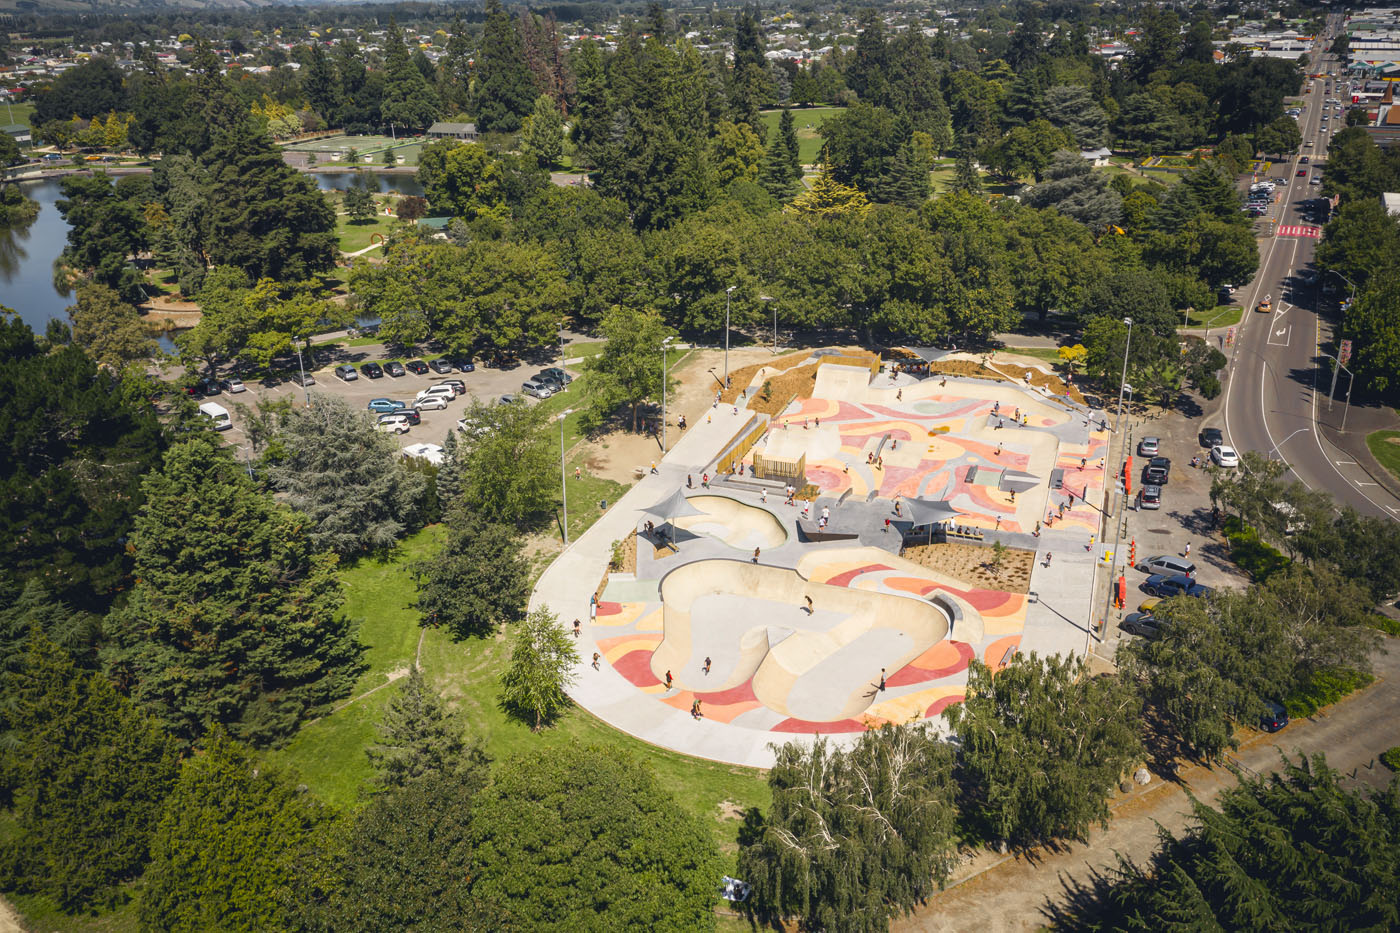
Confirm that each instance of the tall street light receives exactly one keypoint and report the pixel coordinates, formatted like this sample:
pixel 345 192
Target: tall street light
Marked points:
pixel 301 367
pixel 1332 392
pixel 563 476
pixel 1122 457
pixel 664 344
pixel 774 303
pixel 727 292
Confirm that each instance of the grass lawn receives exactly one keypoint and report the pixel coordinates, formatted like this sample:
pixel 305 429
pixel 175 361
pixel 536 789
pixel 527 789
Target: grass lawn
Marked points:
pixel 589 349
pixel 1221 316
pixel 355 235
pixel 1385 447
pixel 809 122
pixel 1048 354
pixel 329 755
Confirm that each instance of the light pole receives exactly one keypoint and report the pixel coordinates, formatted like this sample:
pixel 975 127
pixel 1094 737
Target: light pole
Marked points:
pixel 664 344
pixel 563 476
pixel 301 367
pixel 774 302
pixel 727 292
pixel 1331 393
pixel 1122 456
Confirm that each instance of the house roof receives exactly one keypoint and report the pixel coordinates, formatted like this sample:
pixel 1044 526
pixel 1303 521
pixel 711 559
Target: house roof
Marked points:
pixel 444 127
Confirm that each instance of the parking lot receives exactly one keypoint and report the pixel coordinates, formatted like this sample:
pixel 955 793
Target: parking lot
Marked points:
pixel 485 383
pixel 1184 517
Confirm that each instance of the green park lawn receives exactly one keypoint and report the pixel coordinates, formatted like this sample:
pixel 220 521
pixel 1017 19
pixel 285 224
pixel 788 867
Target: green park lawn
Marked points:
pixel 1385 447
pixel 1221 316
pixel 329 754
pixel 355 235
pixel 809 122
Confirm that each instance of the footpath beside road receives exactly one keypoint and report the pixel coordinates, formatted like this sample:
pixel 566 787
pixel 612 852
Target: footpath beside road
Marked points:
pixel 997 894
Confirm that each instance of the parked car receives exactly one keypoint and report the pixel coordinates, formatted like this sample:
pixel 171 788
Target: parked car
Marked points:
pixel 1142 624
pixel 431 403
pixel 394 369
pixel 555 375
pixel 410 413
pixel 446 393
pixel 303 379
pixel 536 388
pixel 440 366
pixel 217 414
pixel 1149 446
pixel 1158 471
pixel 347 373
pixel 1150 496
pixel 385 404
pixel 373 370
pixel 464 366
pixel 233 385
pixel 1168 565
pixel 508 400
pixel 1176 585
pixel 1211 437
pixel 458 386
pixel 393 424
pixel 1224 456
pixel 417 367
pixel 1150 604
pixel 1275 717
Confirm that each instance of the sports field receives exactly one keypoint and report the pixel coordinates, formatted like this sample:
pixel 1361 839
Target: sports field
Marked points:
pixel 369 150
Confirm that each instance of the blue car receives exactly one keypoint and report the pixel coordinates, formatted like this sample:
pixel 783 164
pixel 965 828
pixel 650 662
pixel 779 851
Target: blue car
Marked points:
pixel 383 405
pixel 1160 584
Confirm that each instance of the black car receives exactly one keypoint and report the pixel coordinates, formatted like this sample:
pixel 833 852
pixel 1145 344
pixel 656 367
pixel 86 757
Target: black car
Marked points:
pixel 373 370
pixel 1157 472
pixel 464 366
pixel 410 413
pixel 1275 717
pixel 440 366
pixel 1212 437
pixel 394 369
pixel 417 367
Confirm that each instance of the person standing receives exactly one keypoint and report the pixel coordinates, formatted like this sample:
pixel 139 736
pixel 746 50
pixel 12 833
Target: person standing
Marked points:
pixel 882 680
pixel 1187 552
pixel 595 660
pixel 755 555
pixel 577 626
pixel 707 664
pixel 668 680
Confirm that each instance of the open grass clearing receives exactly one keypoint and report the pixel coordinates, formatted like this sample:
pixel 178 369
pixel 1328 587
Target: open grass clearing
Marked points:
pixel 1385 447
pixel 355 235
pixel 1220 316
pixel 808 121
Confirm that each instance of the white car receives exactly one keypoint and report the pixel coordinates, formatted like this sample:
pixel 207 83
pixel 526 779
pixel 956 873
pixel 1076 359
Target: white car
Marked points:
pixel 1224 456
pixel 446 393
pixel 429 452
pixel 431 403
pixel 393 424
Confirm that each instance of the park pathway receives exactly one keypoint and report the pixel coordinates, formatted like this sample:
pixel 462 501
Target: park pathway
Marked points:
pixel 999 894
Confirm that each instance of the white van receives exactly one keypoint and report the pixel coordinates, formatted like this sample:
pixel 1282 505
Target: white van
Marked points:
pixel 217 414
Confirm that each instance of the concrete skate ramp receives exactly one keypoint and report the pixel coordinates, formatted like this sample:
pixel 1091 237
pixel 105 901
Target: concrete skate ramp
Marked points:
pixel 835 381
pixel 735 523
pixel 751 620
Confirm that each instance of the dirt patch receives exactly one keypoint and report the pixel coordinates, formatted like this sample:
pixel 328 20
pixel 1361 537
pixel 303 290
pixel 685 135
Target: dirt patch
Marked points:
pixel 729 810
pixel 1018 373
pixel 629 554
pixel 971 564
pixel 739 379
pixel 783 388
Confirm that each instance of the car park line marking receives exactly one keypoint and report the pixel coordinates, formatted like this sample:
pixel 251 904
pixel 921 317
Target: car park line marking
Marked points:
pixel 1346 462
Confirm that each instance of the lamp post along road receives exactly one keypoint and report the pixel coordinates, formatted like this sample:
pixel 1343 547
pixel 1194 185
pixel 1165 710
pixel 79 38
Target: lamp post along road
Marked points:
pixel 727 292
pixel 664 344
pixel 301 368
pixel 563 475
pixel 774 302
pixel 1331 393
pixel 1123 461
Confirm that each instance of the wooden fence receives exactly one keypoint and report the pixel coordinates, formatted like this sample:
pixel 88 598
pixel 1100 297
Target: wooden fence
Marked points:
pixel 739 446
pixel 784 470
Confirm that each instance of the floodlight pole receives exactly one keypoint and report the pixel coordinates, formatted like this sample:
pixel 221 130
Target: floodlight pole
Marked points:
pixel 301 367
pixel 1122 457
pixel 727 292
pixel 664 344
pixel 563 475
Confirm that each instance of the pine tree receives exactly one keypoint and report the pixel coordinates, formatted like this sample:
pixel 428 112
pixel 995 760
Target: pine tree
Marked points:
pixel 787 133
pixel 907 181
pixel 449 474
pixel 543 135
pixel 358 201
pixel 227 849
pixel 479 582
pixel 506 90
pixel 828 197
pixel 774 172
pixel 966 178
pixel 542 663
pixel 320 84
pixel 409 100
pixel 93 778
pixel 234 618
pixel 419 739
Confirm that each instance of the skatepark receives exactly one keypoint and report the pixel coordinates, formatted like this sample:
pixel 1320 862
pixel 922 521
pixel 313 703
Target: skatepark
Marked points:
pixel 774 619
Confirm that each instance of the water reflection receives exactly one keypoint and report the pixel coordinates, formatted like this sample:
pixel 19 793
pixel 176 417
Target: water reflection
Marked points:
pixel 12 252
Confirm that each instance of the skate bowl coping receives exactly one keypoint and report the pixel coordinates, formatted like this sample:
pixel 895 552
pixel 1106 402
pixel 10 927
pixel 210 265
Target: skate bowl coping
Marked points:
pixel 752 620
pixel 735 523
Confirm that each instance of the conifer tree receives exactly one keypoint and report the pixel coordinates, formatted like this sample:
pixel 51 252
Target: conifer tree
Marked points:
pixel 966 178
pixel 409 100
pixel 235 617
pixel 419 739
pixel 828 198
pixel 479 582
pixel 542 662
pixel 506 91
pixel 787 133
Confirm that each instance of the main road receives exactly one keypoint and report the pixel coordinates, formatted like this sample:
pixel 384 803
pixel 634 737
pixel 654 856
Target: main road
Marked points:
pixel 1279 377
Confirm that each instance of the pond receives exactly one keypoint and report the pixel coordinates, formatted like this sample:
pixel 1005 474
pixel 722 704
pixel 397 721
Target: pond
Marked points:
pixel 27 253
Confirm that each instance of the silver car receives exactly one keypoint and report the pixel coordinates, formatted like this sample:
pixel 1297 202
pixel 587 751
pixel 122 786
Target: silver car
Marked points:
pixel 1169 565
pixel 536 388
pixel 1149 446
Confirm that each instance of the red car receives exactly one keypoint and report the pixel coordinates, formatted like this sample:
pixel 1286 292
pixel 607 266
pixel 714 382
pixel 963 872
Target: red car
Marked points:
pixel 1302 173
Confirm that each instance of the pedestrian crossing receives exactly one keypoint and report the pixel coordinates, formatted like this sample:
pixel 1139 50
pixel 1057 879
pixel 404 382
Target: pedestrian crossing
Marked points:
pixel 1299 230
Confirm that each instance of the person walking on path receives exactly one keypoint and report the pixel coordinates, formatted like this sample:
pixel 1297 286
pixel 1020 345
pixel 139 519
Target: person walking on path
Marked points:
pixel 882 680
pixel 763 496
pixel 1187 552
pixel 810 610
pixel 897 512
pixel 705 480
pixel 707 664
pixel 595 660
pixel 887 524
pixel 1037 530
pixel 577 626
pixel 1090 545
pixel 668 680
pixel 755 555
pixel 689 481
pixel 1048 555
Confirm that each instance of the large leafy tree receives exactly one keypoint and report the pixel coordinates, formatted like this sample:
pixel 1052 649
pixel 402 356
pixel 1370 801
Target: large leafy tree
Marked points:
pixel 345 477
pixel 1297 849
pixel 462 180
pixel 508 466
pixel 264 216
pixel 109 329
pixel 226 850
pixel 72 454
pixel 506 90
pixel 854 838
pixel 628 371
pixel 1043 746
pixel 106 229
pixel 480 580
pixel 92 88
pixel 583 837
pixel 1074 189
pixel 94 774
pixel 235 617
pixel 543 135
pixel 542 663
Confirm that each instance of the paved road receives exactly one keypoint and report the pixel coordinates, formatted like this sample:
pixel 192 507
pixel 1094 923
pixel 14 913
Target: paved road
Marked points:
pixel 1020 893
pixel 1276 394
